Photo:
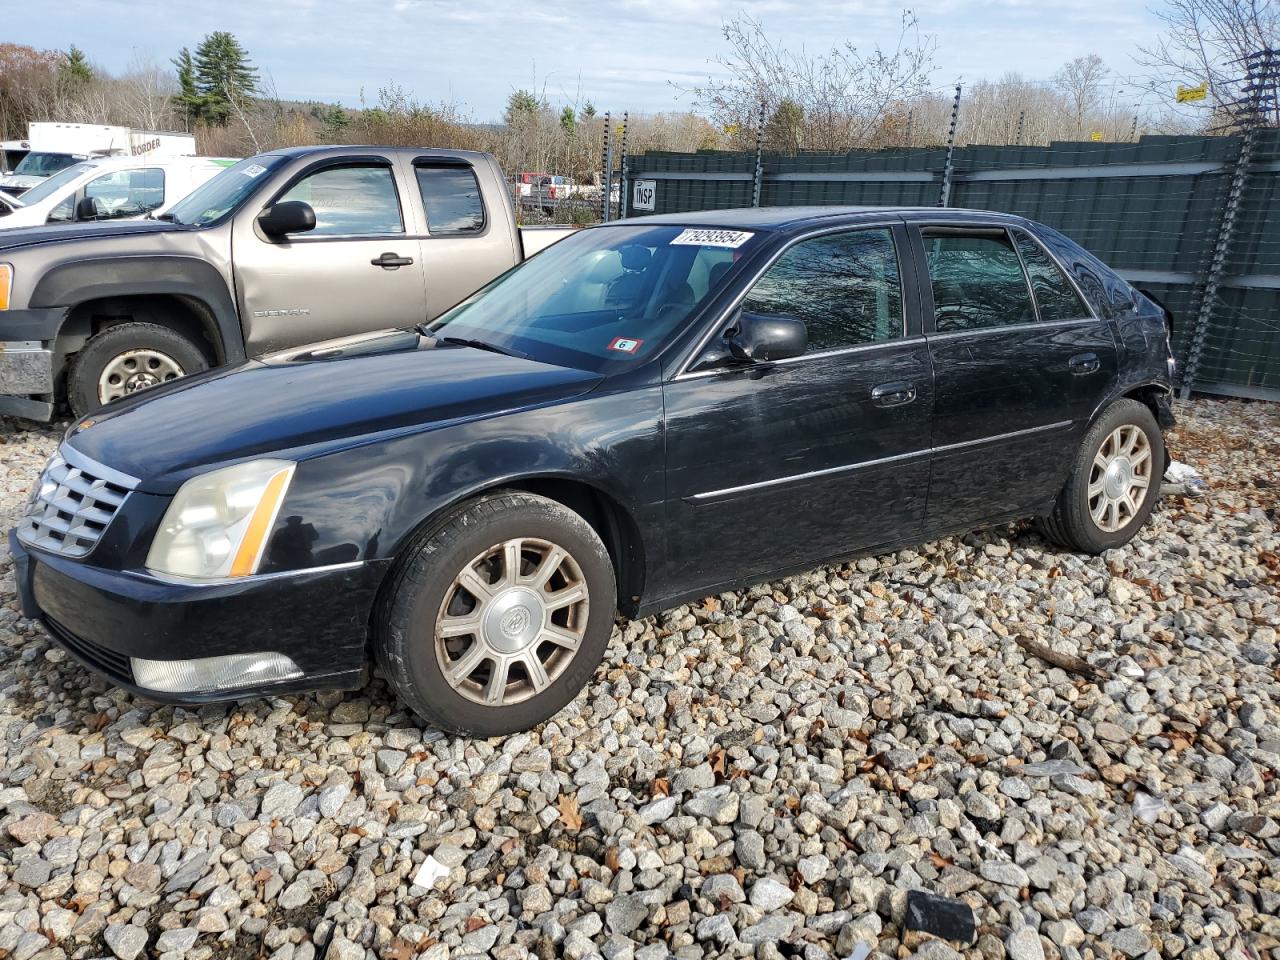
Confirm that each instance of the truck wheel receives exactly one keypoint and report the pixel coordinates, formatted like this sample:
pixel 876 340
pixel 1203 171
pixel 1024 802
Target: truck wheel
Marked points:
pixel 1114 481
pixel 126 358
pixel 495 619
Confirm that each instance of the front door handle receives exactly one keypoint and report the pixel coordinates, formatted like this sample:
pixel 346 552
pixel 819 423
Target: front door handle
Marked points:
pixel 893 394
pixel 390 261
pixel 1083 364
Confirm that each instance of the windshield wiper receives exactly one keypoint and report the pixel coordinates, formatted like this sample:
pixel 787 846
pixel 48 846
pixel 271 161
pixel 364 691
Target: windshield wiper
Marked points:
pixel 477 344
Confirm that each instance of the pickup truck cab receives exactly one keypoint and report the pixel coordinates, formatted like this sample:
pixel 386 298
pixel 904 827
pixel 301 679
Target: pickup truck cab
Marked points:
pixel 278 250
pixel 111 188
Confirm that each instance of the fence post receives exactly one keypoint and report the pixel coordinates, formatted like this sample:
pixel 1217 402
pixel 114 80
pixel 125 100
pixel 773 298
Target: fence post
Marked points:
pixel 1022 116
pixel 606 172
pixel 911 118
pixel 622 171
pixel 1258 67
pixel 757 186
pixel 948 167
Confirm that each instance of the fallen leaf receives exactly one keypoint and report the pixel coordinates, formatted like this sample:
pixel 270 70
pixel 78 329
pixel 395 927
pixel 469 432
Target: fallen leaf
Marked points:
pixel 717 758
pixel 568 804
pixel 475 923
pixel 661 787
pixel 939 861
pixel 711 604
pixel 399 949
pixel 611 859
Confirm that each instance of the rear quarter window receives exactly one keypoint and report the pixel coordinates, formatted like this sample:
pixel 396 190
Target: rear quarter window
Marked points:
pixel 1109 293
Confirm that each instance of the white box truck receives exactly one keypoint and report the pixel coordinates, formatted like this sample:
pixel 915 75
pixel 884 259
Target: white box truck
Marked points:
pixel 55 146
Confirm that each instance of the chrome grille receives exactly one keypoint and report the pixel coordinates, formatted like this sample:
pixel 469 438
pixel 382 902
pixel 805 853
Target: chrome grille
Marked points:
pixel 70 507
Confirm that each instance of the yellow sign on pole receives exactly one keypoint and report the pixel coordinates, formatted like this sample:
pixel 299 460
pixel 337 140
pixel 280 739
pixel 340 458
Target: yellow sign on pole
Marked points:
pixel 1191 94
pixel 1096 136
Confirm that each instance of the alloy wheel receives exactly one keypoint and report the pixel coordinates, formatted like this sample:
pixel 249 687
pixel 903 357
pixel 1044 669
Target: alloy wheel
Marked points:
pixel 512 621
pixel 1119 477
pixel 136 370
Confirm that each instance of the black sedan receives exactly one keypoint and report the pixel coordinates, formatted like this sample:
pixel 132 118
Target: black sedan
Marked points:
pixel 648 412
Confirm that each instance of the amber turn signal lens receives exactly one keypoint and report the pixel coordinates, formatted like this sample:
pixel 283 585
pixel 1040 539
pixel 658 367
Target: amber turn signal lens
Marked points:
pixel 6 285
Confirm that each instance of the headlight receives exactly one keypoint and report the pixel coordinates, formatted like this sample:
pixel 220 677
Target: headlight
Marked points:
pixel 6 285
pixel 218 524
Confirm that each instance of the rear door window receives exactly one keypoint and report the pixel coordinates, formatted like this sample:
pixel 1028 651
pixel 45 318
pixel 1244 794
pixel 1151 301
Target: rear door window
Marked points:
pixel 845 287
pixel 451 196
pixel 127 193
pixel 1055 297
pixel 977 279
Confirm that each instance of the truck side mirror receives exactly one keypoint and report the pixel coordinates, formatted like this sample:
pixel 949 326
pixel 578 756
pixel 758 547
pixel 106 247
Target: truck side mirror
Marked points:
pixel 86 208
pixel 286 217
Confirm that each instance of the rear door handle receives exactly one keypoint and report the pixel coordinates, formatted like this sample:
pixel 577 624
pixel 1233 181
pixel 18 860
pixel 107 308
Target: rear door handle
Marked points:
pixel 391 261
pixel 893 394
pixel 1084 363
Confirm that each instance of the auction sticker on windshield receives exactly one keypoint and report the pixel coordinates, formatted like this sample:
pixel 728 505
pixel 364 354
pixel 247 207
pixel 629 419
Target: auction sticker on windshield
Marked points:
pixel 712 238
pixel 625 344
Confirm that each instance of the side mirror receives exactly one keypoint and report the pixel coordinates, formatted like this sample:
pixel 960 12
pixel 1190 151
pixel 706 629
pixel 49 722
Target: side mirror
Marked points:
pixel 86 208
pixel 758 337
pixel 289 216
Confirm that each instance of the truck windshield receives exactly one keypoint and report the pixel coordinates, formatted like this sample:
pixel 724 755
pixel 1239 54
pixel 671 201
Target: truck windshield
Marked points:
pixel 45 164
pixel 600 299
pixel 224 193
pixel 51 185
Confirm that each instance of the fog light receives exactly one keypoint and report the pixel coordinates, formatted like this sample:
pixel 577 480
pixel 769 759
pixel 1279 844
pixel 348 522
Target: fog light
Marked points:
pixel 213 674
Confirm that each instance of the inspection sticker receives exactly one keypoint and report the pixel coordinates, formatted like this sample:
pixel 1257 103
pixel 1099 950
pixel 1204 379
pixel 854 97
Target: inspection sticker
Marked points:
pixel 712 238
pixel 625 344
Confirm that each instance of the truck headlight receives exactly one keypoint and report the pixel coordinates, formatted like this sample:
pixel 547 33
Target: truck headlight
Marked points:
pixel 218 524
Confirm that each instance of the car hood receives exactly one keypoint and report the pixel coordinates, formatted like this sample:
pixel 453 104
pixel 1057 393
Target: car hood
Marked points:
pixel 312 401
pixel 54 233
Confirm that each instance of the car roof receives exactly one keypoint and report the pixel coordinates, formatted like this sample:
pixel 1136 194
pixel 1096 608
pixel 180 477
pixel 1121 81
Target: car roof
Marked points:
pixel 348 148
pixel 799 218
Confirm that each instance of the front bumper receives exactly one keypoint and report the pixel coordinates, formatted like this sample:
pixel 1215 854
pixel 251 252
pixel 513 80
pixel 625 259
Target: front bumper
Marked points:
pixel 318 617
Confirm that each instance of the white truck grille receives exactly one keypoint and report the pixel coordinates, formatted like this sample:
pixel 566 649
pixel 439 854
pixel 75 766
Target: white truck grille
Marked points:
pixel 70 507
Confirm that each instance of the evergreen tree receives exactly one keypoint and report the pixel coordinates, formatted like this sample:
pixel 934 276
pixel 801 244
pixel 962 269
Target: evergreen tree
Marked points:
pixel 75 70
pixel 223 75
pixel 522 106
pixel 188 100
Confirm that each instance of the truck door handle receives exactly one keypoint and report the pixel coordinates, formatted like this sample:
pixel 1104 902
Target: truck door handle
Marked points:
pixel 391 261
pixel 893 394
pixel 1083 364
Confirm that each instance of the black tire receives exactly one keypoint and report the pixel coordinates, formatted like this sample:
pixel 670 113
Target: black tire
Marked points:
pixel 404 634
pixel 1071 523
pixel 88 365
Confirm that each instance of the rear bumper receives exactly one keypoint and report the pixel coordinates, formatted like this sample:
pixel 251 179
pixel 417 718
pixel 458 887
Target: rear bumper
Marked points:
pixel 319 618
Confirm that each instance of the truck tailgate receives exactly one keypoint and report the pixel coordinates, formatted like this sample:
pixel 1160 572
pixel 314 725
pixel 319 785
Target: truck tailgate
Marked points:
pixel 536 239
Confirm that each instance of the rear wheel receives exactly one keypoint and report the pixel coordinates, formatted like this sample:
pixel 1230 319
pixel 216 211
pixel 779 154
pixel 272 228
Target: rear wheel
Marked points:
pixel 499 616
pixel 1114 481
pixel 128 358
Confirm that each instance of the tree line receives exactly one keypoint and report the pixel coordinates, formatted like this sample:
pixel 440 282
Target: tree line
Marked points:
pixel 839 99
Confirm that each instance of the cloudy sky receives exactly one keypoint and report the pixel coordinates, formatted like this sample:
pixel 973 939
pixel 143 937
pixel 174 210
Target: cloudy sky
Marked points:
pixel 618 54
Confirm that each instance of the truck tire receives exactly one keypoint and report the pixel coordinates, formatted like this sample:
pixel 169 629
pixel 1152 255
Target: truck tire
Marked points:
pixel 495 618
pixel 127 358
pixel 1114 481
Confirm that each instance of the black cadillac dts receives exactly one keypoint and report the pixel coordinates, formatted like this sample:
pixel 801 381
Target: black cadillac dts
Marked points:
pixel 648 412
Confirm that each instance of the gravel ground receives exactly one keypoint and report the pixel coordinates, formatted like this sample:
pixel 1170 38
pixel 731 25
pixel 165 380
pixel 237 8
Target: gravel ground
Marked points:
pixel 764 773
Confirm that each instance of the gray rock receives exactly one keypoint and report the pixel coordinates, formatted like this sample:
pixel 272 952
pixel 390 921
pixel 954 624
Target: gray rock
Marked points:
pixel 768 894
pixel 626 914
pixel 1005 872
pixel 280 801
pixel 125 940
pixel 1024 944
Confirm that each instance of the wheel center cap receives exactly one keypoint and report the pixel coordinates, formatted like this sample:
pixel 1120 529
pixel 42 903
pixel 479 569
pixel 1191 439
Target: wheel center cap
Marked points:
pixel 513 619
pixel 1118 478
pixel 140 381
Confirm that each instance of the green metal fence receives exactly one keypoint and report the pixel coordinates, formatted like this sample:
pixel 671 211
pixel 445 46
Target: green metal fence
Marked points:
pixel 1152 209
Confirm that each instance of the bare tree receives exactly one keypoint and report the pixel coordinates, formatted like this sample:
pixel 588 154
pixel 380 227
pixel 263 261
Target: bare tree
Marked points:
pixel 834 101
pixel 1080 81
pixel 1204 41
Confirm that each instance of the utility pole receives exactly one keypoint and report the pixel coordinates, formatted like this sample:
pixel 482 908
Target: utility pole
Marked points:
pixel 757 186
pixel 1262 75
pixel 948 166
pixel 1022 116
pixel 606 171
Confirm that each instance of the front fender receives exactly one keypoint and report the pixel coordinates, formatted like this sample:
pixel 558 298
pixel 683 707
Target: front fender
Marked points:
pixel 75 281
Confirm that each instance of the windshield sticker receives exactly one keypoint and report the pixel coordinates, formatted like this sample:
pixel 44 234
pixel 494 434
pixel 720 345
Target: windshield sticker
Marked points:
pixel 712 238
pixel 254 170
pixel 625 344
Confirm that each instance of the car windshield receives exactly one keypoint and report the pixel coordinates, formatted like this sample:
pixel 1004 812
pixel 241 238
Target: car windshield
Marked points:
pixel 53 184
pixel 601 298
pixel 45 164
pixel 224 193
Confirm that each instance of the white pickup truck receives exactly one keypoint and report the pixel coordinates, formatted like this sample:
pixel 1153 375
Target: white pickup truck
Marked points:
pixel 56 146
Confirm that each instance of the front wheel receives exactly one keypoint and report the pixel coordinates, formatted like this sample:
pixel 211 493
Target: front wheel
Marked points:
pixel 1114 482
pixel 127 358
pixel 499 616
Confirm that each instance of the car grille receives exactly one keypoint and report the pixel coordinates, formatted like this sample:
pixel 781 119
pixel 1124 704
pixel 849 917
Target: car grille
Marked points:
pixel 115 666
pixel 70 507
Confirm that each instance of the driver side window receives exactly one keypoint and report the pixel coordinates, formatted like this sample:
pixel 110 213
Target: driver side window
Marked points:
pixel 126 193
pixel 845 287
